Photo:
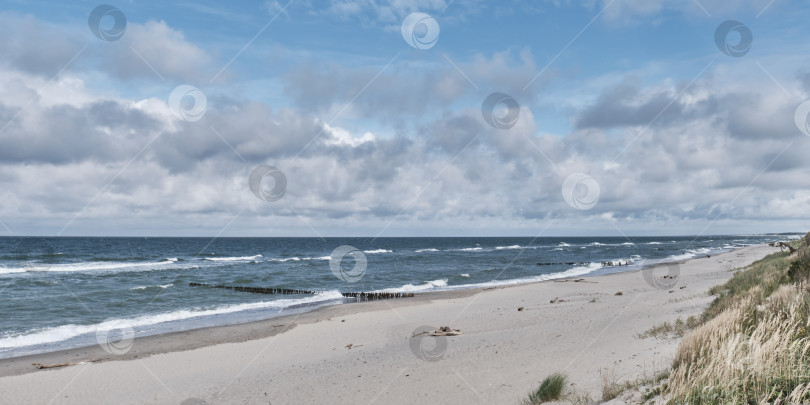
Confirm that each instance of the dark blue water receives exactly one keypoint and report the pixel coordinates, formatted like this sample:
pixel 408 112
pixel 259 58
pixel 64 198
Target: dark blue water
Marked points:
pixel 57 293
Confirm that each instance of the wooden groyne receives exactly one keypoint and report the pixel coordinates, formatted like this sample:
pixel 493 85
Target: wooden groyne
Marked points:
pixel 360 296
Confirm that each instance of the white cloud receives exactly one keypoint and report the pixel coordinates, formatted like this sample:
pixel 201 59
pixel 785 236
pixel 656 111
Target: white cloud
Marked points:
pixel 154 50
pixel 718 150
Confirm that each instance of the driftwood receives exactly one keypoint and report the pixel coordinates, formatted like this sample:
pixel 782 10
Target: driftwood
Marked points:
pixel 443 331
pixel 360 296
pixel 44 366
pixel 783 245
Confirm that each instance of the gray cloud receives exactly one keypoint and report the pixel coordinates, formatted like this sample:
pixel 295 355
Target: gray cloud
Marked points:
pixel 627 104
pixel 152 50
pixel 431 162
pixel 33 46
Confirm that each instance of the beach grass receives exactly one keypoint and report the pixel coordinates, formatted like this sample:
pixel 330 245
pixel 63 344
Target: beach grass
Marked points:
pixel 551 389
pixel 647 385
pixel 753 344
pixel 678 328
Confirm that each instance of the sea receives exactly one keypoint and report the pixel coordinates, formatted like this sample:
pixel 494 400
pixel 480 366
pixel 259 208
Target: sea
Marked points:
pixel 59 293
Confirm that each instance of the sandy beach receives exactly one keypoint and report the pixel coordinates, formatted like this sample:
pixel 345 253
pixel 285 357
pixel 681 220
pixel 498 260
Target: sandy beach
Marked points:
pixel 367 352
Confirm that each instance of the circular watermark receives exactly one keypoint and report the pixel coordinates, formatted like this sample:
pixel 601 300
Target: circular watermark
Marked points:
pixel 101 28
pixel 727 45
pixel 338 265
pixel 426 346
pixel 115 340
pixel 662 281
pixel 500 110
pixel 420 30
pixel 580 191
pixel 34 253
pixel 187 103
pixel 801 116
pixel 263 174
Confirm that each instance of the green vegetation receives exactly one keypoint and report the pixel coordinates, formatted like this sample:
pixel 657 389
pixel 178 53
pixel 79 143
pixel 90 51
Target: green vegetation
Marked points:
pixel 769 273
pixel 550 389
pixel 677 328
pixel 752 345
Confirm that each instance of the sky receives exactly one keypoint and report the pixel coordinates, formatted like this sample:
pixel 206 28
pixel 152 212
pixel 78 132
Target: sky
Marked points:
pixel 404 118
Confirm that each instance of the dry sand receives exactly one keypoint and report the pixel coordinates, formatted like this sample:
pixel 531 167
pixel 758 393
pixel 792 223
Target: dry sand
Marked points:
pixel 502 355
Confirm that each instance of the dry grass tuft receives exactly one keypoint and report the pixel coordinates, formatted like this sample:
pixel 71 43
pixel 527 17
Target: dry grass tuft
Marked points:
pixel 677 328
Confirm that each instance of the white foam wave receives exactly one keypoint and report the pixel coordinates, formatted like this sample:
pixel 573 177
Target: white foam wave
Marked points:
pixel 170 259
pixel 653 243
pixel 286 259
pixel 154 286
pixel 688 254
pixel 465 275
pixel 597 244
pixel 563 244
pixel 416 288
pixel 85 266
pixel 573 272
pixel 472 249
pixel 233 259
pixel 426 250
pixel 508 247
pixel 64 332
pixel 297 259
pixel 378 251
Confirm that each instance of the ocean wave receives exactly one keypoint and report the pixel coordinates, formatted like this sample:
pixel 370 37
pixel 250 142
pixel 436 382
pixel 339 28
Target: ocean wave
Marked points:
pixel 653 243
pixel 83 266
pixel 233 259
pixel 596 244
pixel 465 275
pixel 686 255
pixel 65 332
pixel 298 259
pixel 378 251
pixel 117 259
pixel 508 247
pixel 426 250
pixel 572 272
pixel 471 249
pixel 416 288
pixel 286 259
pixel 563 244
pixel 165 286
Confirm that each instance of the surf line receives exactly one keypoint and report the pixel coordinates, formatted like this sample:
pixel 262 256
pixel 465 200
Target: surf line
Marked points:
pixel 564 263
pixel 360 296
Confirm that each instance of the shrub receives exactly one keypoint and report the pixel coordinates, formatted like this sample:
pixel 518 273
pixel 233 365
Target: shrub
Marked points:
pixel 550 389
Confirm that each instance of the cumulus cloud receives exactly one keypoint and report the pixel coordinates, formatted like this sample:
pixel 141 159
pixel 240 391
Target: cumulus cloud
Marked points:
pixel 155 49
pixel 411 89
pixel 33 46
pixel 414 150
pixel 151 50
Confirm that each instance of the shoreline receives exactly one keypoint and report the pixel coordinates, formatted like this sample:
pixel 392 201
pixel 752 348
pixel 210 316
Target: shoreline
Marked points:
pixel 251 330
pixel 93 352
pixel 381 331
